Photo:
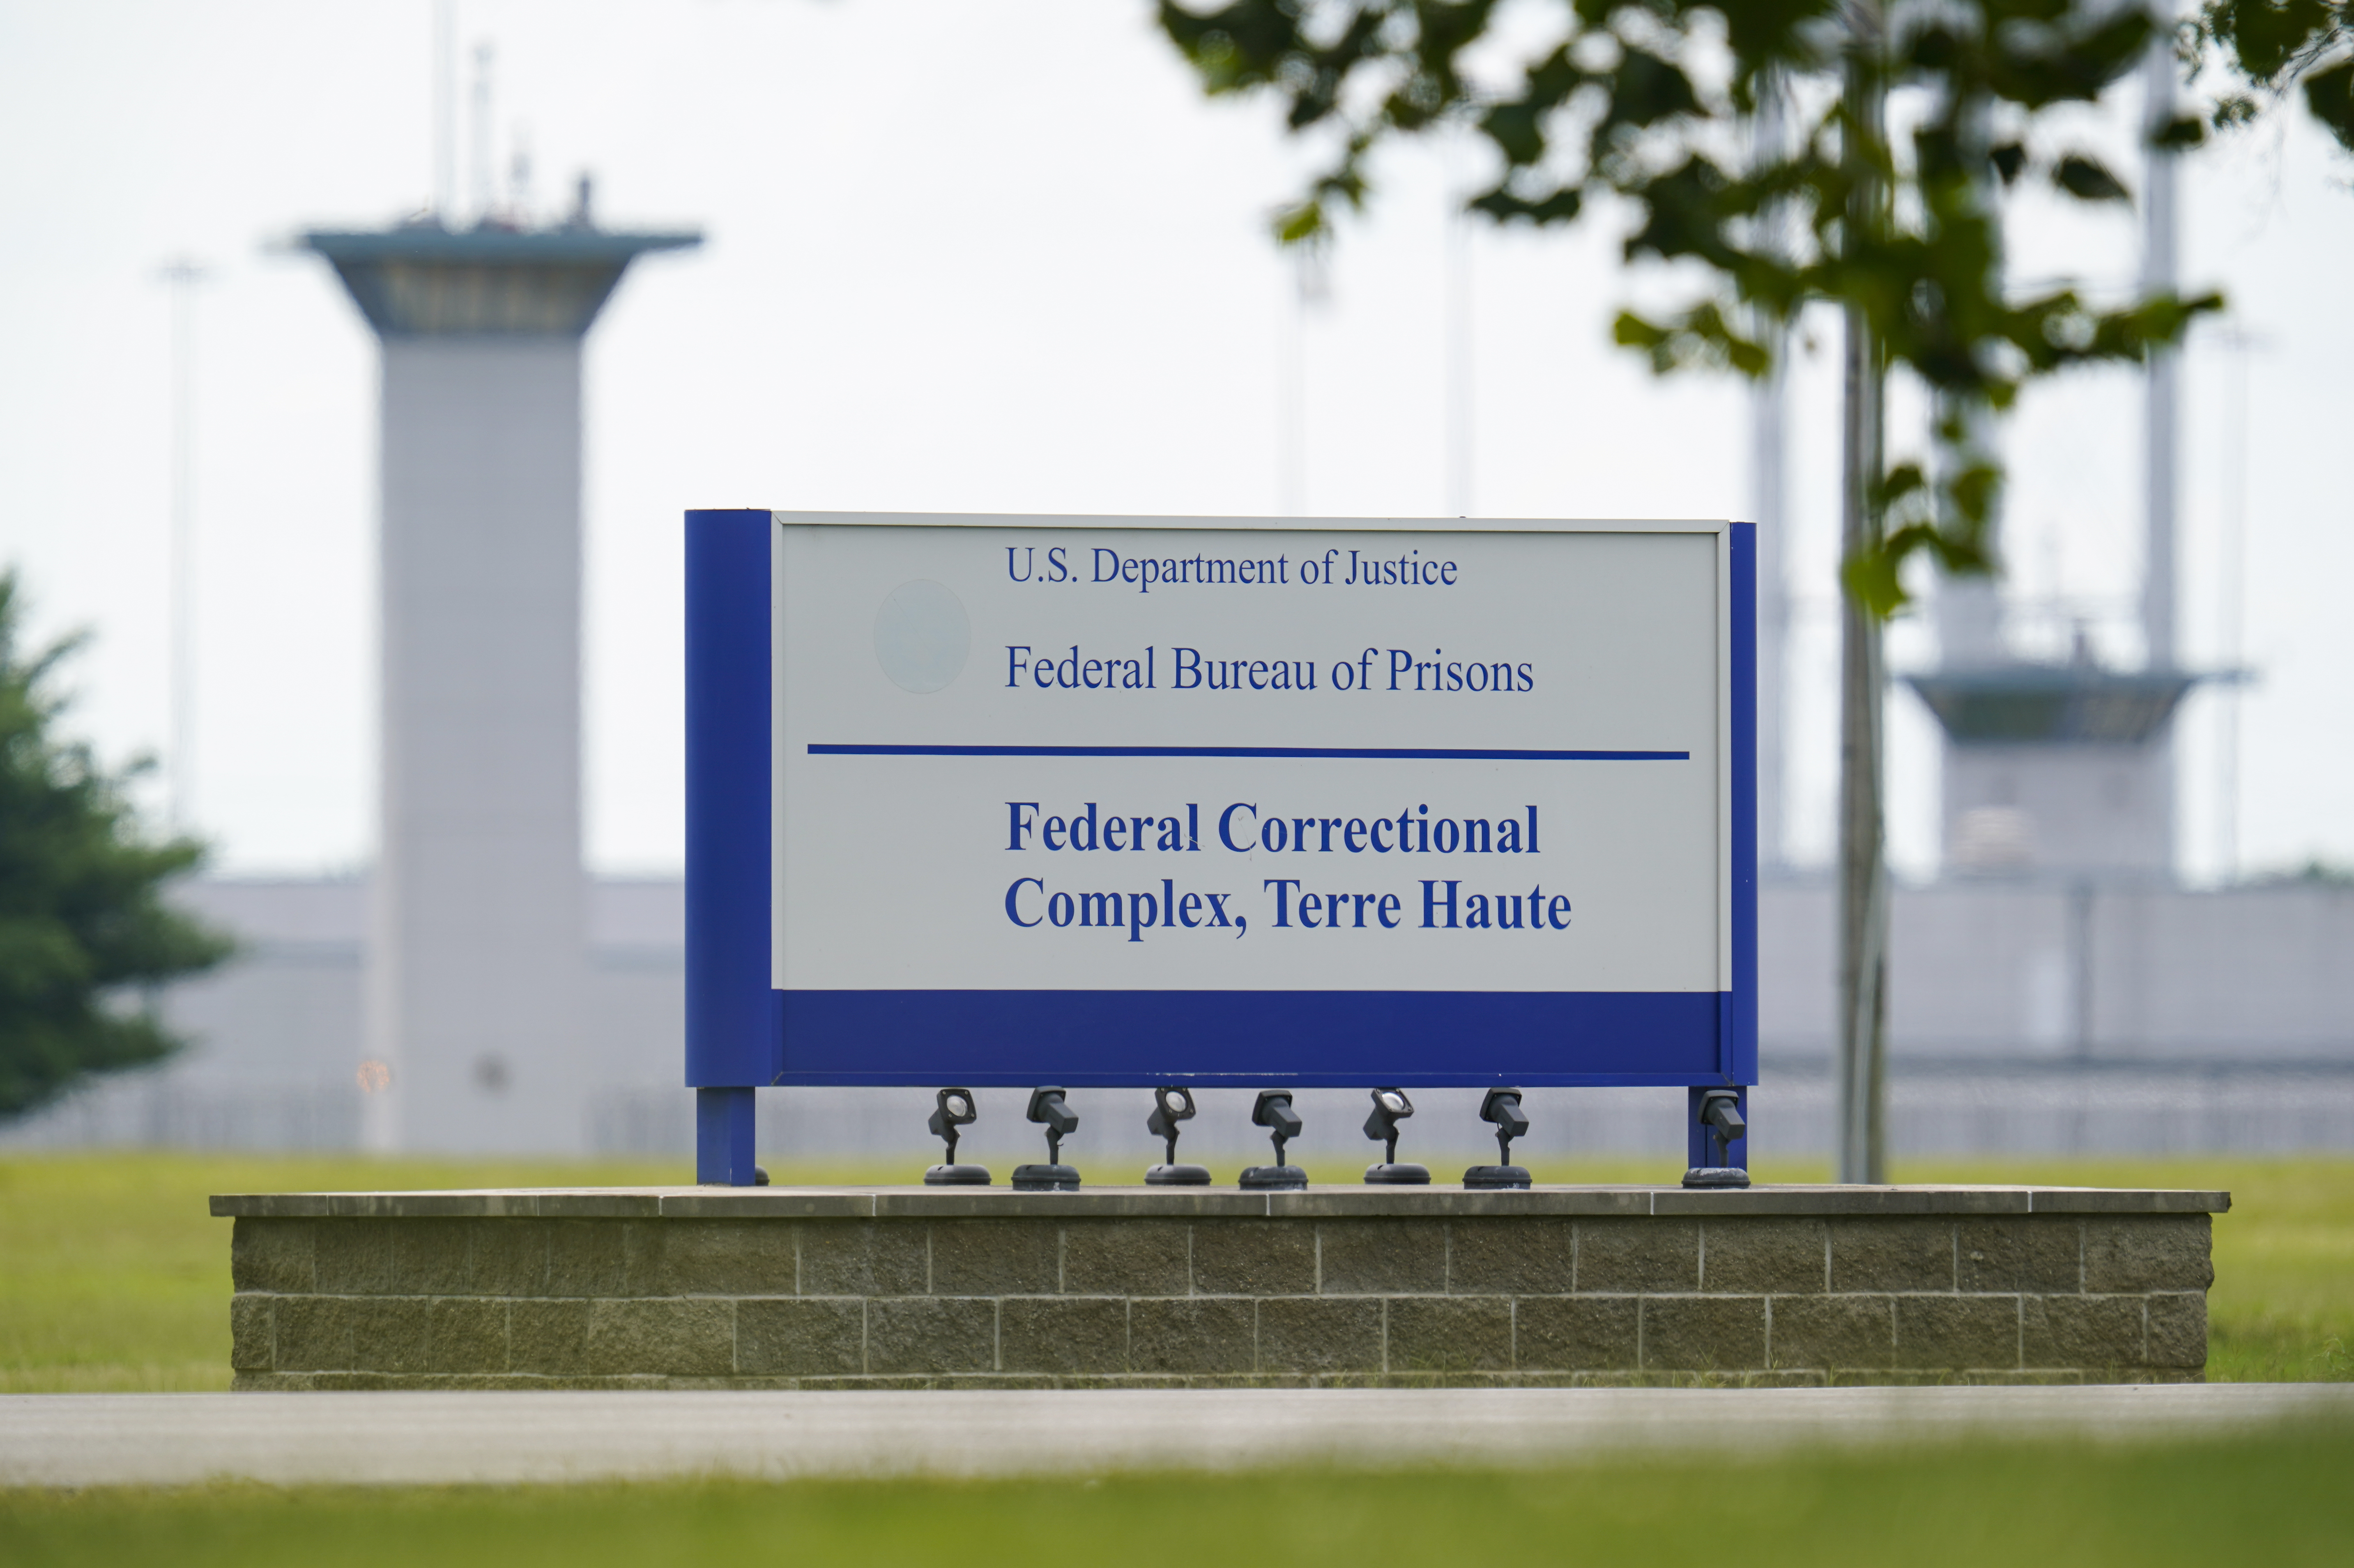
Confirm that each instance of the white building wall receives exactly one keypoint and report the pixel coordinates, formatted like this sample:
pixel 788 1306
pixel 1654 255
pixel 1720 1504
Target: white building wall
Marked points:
pixel 2219 1021
pixel 2062 969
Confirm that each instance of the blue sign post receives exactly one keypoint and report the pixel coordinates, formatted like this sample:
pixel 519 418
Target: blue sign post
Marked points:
pixel 1126 803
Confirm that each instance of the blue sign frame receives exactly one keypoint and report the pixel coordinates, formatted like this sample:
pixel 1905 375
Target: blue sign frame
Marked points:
pixel 743 1034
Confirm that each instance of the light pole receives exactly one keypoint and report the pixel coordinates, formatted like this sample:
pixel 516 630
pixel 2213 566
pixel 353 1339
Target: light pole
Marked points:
pixel 183 274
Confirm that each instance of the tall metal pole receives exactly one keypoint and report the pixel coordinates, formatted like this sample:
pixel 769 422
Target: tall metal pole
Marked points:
pixel 183 275
pixel 485 192
pixel 2160 271
pixel 1308 289
pixel 1862 852
pixel 2232 582
pixel 445 111
pixel 1768 447
pixel 1458 336
pixel 1291 397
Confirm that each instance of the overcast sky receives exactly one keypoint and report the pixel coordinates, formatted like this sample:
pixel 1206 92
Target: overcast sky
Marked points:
pixel 996 259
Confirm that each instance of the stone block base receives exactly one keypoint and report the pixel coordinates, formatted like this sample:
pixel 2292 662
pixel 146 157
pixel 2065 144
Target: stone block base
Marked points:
pixel 1134 1287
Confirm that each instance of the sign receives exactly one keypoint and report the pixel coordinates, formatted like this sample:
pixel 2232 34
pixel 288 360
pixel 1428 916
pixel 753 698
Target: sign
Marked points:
pixel 1013 801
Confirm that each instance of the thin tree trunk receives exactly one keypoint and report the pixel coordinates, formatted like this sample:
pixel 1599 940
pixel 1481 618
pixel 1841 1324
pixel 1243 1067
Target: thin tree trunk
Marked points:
pixel 1862 859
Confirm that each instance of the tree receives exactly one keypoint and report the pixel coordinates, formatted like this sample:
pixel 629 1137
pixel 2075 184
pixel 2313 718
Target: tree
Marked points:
pixel 1652 107
pixel 2274 46
pixel 83 927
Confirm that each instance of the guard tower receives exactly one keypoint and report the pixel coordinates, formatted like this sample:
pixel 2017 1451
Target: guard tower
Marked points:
pixel 476 943
pixel 2058 767
pixel 2069 768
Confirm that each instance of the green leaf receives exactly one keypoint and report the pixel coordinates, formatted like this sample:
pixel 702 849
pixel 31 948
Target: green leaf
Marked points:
pixel 1631 331
pixel 1649 89
pixel 1517 131
pixel 2232 110
pixel 2329 94
pixel 1558 207
pixel 1299 225
pixel 2086 180
pixel 1871 579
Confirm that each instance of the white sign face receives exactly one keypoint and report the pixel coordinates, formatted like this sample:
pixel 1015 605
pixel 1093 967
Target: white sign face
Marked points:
pixel 1068 758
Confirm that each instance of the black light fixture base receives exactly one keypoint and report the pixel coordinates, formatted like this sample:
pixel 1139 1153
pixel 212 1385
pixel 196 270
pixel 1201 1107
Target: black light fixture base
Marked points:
pixel 1045 1179
pixel 1273 1179
pixel 957 1176
pixel 1716 1176
pixel 1496 1178
pixel 1177 1176
pixel 1398 1175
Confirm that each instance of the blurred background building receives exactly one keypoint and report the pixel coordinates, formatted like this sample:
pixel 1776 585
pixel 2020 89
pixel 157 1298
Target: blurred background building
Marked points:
pixel 2062 982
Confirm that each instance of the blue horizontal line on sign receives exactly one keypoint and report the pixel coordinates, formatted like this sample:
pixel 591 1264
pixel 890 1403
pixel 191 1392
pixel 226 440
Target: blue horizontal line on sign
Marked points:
pixel 1246 1039
pixel 1377 753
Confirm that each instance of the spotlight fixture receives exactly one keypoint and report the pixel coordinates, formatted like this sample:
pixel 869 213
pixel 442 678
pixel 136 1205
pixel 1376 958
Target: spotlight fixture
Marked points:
pixel 1721 1126
pixel 957 1108
pixel 1171 1105
pixel 1048 1109
pixel 1502 1108
pixel 1273 1111
pixel 1390 1108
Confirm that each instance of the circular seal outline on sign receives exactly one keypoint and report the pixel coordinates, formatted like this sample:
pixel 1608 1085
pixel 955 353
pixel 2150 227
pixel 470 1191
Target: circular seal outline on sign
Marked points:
pixel 922 636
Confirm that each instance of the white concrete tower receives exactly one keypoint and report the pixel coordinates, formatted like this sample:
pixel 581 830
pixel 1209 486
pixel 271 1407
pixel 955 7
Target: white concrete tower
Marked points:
pixel 476 957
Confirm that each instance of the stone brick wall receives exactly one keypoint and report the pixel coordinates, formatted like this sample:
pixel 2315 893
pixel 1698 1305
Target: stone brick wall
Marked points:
pixel 1342 1288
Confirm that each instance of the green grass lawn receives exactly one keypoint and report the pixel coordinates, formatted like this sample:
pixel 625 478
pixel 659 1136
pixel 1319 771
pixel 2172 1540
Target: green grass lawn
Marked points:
pixel 112 1276
pixel 2279 1499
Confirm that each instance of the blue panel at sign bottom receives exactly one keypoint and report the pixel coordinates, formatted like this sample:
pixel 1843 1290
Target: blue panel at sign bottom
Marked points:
pixel 1248 1039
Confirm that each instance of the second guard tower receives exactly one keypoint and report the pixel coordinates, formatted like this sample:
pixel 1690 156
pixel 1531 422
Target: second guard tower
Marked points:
pixel 2069 770
pixel 476 941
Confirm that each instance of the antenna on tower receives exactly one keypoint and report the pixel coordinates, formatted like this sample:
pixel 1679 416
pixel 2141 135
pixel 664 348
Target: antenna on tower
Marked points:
pixel 445 110
pixel 519 179
pixel 485 192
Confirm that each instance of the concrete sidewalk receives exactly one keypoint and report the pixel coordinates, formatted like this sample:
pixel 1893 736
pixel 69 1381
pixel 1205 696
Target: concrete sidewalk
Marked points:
pixel 136 1439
